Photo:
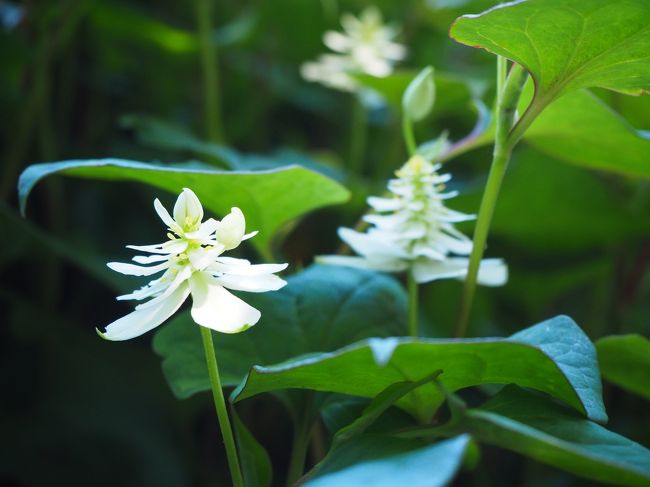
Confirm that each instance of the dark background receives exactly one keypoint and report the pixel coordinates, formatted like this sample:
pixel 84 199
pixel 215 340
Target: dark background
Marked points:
pixel 76 78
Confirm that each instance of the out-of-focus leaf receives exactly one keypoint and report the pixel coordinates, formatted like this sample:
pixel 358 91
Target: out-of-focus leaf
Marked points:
pixel 319 310
pixel 539 428
pixel 625 361
pixel 269 199
pixel 554 356
pixel 385 462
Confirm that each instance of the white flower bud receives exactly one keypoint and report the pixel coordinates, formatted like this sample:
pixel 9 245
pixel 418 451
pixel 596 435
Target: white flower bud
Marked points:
pixel 419 96
pixel 188 212
pixel 230 230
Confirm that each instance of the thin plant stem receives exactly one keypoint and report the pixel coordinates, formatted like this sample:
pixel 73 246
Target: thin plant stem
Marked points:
pixel 358 137
pixel 503 144
pixel 209 66
pixel 413 306
pixel 409 136
pixel 300 444
pixel 220 406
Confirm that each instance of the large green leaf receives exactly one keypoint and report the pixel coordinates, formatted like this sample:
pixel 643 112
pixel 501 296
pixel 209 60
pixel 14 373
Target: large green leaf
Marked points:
pixel 554 356
pixel 625 361
pixel 568 44
pixel 539 428
pixel 255 462
pixel 269 199
pixel 581 129
pixel 320 309
pixel 380 461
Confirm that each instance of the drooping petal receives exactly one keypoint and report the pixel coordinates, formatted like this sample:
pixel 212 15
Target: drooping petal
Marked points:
pixel 242 267
pixel 150 259
pixel 166 217
pixel 251 283
pixel 141 321
pixel 188 211
pixel 218 309
pixel 169 247
pixel 371 244
pixel 137 270
pixel 385 265
pixel 231 229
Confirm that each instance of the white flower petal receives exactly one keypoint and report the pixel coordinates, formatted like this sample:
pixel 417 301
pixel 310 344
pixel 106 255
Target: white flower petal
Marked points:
pixel 169 247
pixel 188 211
pixel 176 281
pixel 166 217
pixel 150 259
pixel 230 230
pixel 136 270
pixel 251 283
pixel 492 272
pixel 202 257
pixel 371 244
pixel 385 265
pixel 142 320
pixel 244 267
pixel 216 308
pixel 385 204
pixel 205 230
pixel 250 235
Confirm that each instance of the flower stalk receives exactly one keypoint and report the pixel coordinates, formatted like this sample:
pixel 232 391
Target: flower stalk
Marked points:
pixel 413 306
pixel 507 101
pixel 220 407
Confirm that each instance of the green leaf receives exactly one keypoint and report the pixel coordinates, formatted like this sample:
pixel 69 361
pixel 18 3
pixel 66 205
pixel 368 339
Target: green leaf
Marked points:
pixel 625 361
pixel 255 462
pixel 269 199
pixel 554 356
pixel 567 44
pixel 320 309
pixel 384 400
pixel 381 461
pixel 581 129
pixel 539 428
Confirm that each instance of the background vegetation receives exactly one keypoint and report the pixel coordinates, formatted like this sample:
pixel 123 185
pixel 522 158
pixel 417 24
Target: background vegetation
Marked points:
pixel 100 78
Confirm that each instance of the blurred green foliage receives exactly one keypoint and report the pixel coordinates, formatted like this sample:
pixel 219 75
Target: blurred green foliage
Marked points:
pixel 89 79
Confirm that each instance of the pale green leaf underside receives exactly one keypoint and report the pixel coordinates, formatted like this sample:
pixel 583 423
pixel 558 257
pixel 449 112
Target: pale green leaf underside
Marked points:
pixel 625 361
pixel 553 356
pixel 269 199
pixel 385 462
pixel 541 429
pixel 568 44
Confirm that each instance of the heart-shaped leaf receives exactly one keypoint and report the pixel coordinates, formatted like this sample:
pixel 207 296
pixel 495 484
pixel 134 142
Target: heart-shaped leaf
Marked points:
pixel 319 310
pixel 269 199
pixel 554 356
pixel 550 433
pixel 567 44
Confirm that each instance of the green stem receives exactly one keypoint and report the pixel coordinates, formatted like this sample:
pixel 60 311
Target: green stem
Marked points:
pixel 209 62
pixel 413 306
pixel 358 137
pixel 300 444
pixel 506 107
pixel 220 406
pixel 409 136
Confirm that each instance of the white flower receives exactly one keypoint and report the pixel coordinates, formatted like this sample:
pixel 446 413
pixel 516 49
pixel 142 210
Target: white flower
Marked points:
pixel 364 47
pixel 191 263
pixel 413 230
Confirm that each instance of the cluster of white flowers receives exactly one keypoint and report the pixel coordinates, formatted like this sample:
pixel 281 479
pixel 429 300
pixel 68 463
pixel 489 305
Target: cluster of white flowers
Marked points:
pixel 414 231
pixel 365 46
pixel 192 263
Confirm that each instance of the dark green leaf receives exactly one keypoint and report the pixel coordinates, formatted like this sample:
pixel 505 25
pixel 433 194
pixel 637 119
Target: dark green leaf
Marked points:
pixel 269 199
pixel 625 361
pixel 539 428
pixel 380 461
pixel 320 309
pixel 554 356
